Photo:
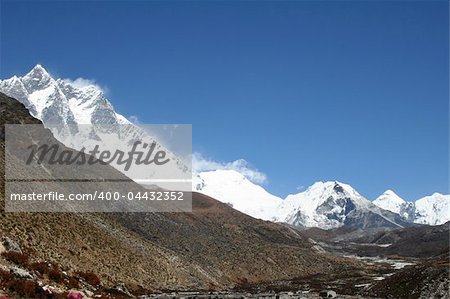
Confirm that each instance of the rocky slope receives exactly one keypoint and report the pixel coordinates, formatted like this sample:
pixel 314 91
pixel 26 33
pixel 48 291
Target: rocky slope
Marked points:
pixel 420 242
pixel 214 247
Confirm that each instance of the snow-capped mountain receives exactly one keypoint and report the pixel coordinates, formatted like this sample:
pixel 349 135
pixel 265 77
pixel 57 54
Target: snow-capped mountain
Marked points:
pixel 431 210
pixel 231 187
pixel 334 204
pixel 390 201
pixel 80 116
pixel 60 101
pixel 324 204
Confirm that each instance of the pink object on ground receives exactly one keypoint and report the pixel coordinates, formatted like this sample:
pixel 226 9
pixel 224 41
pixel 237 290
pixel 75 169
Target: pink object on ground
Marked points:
pixel 75 295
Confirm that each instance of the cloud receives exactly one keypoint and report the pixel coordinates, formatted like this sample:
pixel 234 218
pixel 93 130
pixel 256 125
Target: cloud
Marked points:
pixel 82 82
pixel 200 163
pixel 300 188
pixel 134 119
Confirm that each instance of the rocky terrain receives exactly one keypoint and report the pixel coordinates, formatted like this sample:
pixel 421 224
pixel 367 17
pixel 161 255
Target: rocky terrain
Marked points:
pixel 427 279
pixel 419 258
pixel 370 250
pixel 422 241
pixel 213 248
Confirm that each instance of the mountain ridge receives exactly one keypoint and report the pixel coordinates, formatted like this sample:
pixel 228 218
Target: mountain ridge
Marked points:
pixel 158 251
pixel 433 209
pixel 81 117
pixel 39 91
pixel 60 100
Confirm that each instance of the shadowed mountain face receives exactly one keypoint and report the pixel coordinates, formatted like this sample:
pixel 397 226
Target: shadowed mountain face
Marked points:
pixel 331 205
pixel 214 247
pixel 421 241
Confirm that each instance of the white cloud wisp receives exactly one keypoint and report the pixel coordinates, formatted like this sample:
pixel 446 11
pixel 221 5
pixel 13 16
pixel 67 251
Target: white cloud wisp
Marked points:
pixel 200 163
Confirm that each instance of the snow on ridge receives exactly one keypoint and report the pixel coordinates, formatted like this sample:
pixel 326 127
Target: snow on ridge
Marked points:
pixel 323 204
pixel 320 191
pixel 432 210
pixel 82 101
pixel 390 201
pixel 233 188
pixel 38 91
pixel 72 106
pixel 307 208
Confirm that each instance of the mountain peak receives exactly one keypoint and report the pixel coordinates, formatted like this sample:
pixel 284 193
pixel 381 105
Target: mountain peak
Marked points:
pixel 390 195
pixel 389 192
pixel 390 201
pixel 433 209
pixel 66 101
pixel 38 71
pixel 437 194
pixel 331 187
pixel 39 67
pixel 37 79
pixel 338 188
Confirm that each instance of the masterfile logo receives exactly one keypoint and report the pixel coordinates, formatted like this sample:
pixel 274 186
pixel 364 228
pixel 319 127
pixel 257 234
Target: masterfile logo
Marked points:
pixel 68 157
pixel 109 170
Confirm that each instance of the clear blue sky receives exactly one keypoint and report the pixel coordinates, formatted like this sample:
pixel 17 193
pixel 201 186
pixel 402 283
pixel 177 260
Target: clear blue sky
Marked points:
pixel 355 91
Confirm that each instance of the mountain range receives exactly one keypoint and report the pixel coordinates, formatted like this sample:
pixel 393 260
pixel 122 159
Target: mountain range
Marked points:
pixel 432 210
pixel 217 246
pixel 324 204
pixel 213 248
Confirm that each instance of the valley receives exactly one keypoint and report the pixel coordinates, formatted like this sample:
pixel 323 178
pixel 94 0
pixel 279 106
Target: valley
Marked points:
pixel 239 241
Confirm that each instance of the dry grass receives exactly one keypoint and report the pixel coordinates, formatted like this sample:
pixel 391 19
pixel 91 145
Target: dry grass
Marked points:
pixel 17 258
pixel 89 277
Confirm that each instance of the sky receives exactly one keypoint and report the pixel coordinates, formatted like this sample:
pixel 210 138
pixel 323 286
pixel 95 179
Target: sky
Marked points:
pixel 292 92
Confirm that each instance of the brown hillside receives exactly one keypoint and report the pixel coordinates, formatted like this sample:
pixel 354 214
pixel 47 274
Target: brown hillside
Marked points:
pixel 214 247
